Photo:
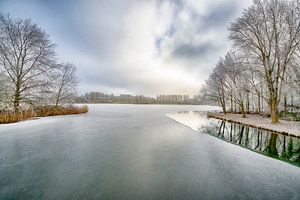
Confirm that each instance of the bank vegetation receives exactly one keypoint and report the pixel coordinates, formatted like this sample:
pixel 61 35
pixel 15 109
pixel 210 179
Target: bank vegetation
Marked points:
pixel 260 73
pixel 32 81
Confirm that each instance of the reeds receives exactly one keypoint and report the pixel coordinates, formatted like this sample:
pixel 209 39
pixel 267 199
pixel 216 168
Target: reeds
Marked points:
pixel 44 111
pixel 40 111
pixel 12 117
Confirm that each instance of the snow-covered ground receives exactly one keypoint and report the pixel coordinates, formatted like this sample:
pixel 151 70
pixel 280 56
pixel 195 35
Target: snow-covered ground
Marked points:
pixel 287 127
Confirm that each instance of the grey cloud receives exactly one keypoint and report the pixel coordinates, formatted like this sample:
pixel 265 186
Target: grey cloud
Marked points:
pixel 193 50
pixel 89 34
pixel 216 18
pixel 220 14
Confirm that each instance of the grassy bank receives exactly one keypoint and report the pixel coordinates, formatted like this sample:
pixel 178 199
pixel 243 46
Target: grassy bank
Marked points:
pixel 40 111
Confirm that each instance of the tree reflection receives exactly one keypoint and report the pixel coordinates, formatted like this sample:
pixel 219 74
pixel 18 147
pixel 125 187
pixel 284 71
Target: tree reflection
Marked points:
pixel 269 143
pixel 271 149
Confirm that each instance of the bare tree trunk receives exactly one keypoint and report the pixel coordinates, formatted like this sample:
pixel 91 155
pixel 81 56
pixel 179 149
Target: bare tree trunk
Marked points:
pixel 273 110
pixel 56 102
pixel 248 104
pixel 292 102
pixel 58 95
pixel 223 107
pixel 262 104
pixel 235 109
pixel 258 103
pixel 17 96
pixel 231 103
pixel 285 103
pixel 222 100
pixel 16 102
pixel 243 110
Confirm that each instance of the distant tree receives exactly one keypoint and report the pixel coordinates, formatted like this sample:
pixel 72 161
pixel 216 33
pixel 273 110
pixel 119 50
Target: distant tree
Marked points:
pixel 65 83
pixel 26 55
pixel 270 31
pixel 206 95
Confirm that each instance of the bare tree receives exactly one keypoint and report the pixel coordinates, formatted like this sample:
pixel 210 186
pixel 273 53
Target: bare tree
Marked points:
pixel 216 86
pixel 270 31
pixel 65 83
pixel 26 55
pixel 3 89
pixel 236 76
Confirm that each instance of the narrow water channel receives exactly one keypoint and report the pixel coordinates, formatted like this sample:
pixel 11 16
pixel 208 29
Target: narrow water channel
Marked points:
pixel 276 145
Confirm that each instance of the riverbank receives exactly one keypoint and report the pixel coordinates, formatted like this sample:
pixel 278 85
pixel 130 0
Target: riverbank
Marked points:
pixel 7 117
pixel 257 121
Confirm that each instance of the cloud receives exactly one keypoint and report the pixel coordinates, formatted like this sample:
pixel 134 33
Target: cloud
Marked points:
pixel 192 50
pixel 136 46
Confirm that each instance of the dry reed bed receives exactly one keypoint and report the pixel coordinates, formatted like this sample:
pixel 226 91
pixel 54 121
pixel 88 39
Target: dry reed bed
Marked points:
pixel 41 111
pixel 12 117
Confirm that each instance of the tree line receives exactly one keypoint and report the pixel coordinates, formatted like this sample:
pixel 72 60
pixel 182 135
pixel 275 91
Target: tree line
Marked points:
pixel 99 97
pixel 262 67
pixel 29 72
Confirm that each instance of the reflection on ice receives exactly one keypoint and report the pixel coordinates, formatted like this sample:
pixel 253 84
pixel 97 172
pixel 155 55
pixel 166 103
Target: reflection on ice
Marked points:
pixel 269 143
pixel 193 119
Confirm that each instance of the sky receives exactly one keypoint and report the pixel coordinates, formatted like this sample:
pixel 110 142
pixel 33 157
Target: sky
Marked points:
pixel 135 46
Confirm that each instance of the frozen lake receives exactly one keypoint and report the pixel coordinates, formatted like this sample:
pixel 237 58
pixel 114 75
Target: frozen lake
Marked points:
pixel 134 152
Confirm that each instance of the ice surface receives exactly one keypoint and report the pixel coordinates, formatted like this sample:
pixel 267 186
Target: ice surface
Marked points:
pixel 133 152
pixel 193 119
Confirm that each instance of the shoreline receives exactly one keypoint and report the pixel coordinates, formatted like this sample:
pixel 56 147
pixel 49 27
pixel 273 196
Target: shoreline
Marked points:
pixel 10 117
pixel 256 121
pixel 188 104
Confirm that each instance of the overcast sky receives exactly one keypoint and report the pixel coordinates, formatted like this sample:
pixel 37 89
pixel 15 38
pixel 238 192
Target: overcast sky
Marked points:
pixel 136 46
